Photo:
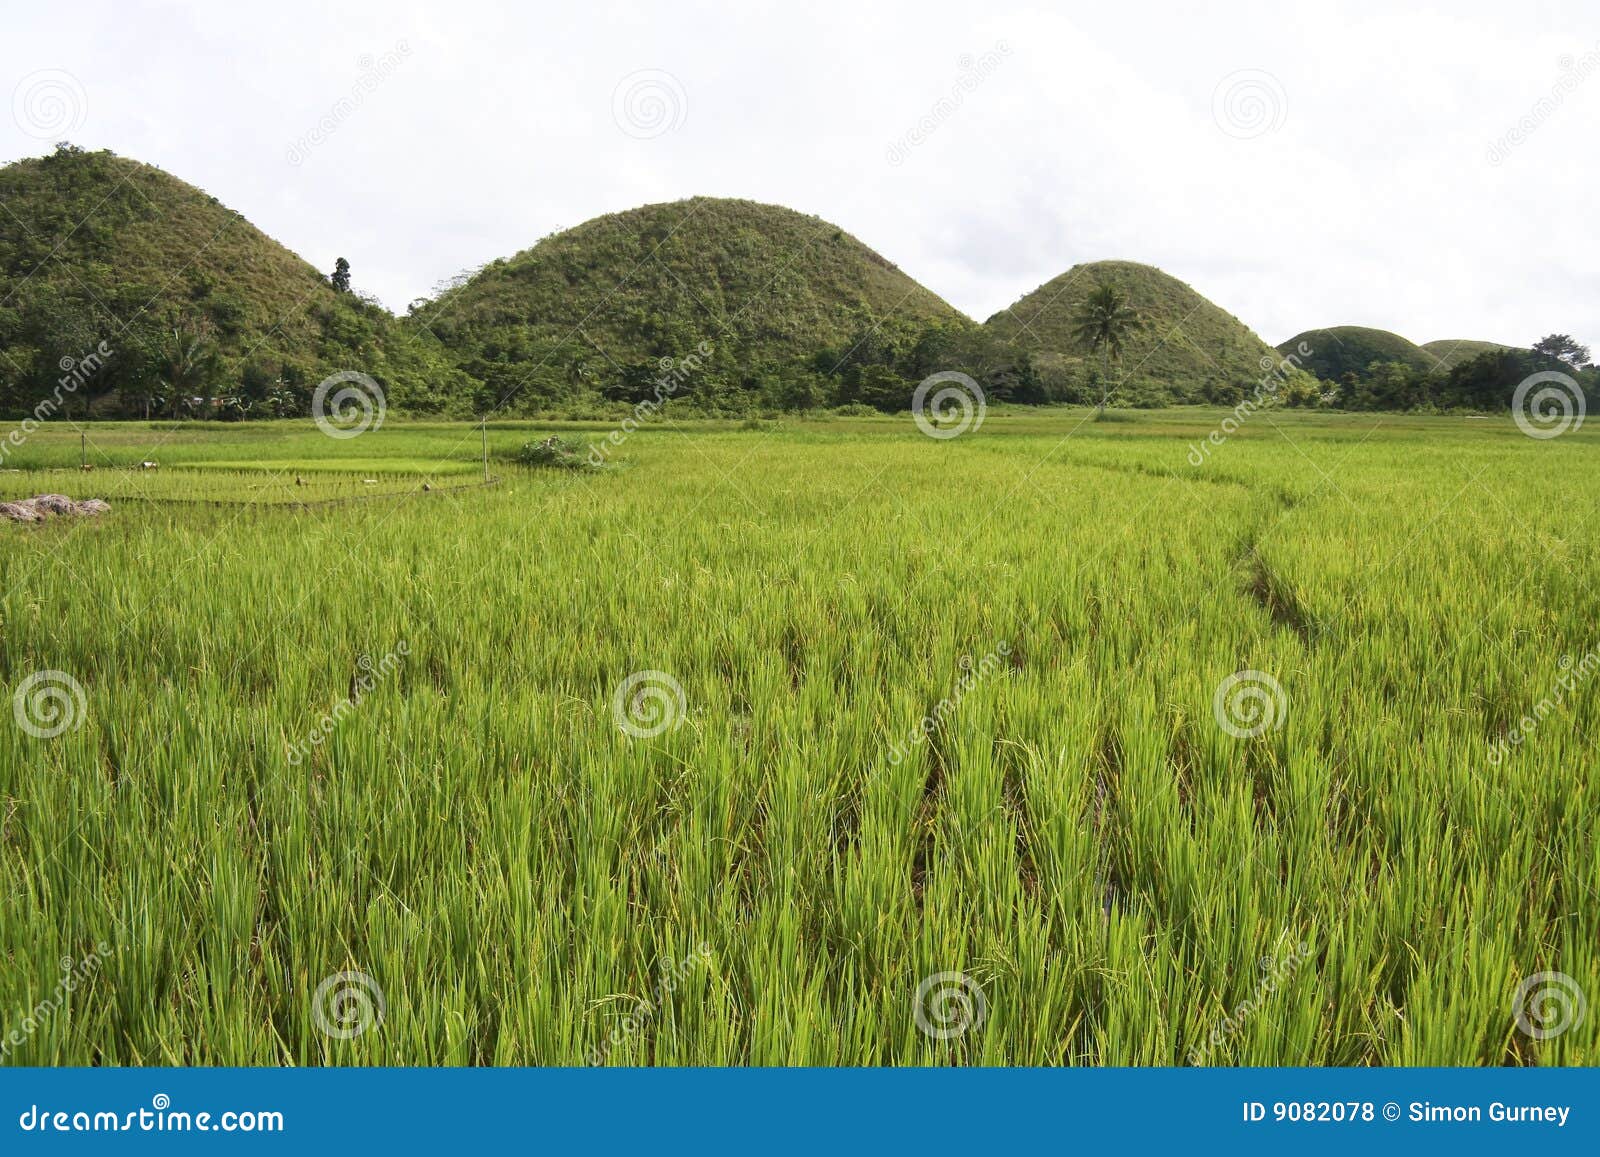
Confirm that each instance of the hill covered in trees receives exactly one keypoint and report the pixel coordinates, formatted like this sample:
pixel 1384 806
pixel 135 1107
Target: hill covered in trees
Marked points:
pixel 1451 352
pixel 1185 349
pixel 1343 349
pixel 144 296
pixel 1367 369
pixel 202 313
pixel 763 287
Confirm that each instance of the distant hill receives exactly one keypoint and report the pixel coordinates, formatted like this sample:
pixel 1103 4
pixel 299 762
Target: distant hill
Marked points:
pixel 204 315
pixel 1451 353
pixel 1352 348
pixel 99 248
pixel 763 285
pixel 1188 350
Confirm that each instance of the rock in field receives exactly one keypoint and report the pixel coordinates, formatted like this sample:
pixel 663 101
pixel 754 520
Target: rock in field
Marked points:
pixel 43 506
pixel 52 504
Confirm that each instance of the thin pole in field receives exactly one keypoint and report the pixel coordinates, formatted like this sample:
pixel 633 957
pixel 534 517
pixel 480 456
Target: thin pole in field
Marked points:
pixel 483 427
pixel 83 448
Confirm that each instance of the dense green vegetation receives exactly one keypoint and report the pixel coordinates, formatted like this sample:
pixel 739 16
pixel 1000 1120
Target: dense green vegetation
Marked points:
pixel 1185 350
pixel 1345 349
pixel 200 313
pixel 1451 352
pixel 767 290
pixel 1366 369
pixel 772 876
pixel 124 291
pixel 1487 382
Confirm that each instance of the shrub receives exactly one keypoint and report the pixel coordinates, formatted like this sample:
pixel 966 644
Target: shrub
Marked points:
pixel 554 454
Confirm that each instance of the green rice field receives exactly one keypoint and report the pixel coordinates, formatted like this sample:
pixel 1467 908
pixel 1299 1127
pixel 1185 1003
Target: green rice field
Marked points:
pixel 809 743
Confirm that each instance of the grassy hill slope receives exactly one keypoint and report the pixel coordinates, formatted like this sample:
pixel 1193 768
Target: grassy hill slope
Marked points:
pixel 764 285
pixel 99 248
pixel 1352 348
pixel 1452 352
pixel 1189 350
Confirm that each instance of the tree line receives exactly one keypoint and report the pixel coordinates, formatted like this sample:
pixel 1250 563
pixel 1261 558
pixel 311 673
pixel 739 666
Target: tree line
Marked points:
pixel 1486 382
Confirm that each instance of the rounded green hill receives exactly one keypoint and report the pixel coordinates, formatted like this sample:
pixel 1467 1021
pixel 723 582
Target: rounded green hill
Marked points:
pixel 99 248
pixel 1344 349
pixel 1186 350
pixel 1451 352
pixel 763 285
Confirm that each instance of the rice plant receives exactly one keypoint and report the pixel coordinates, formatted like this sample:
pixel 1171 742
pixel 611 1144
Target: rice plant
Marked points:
pixel 828 743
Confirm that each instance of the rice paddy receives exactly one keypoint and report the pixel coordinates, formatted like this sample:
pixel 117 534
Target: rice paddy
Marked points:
pixel 818 743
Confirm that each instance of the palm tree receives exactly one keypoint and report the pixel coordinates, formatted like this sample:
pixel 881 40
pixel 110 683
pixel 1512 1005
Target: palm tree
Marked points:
pixel 188 363
pixel 1103 320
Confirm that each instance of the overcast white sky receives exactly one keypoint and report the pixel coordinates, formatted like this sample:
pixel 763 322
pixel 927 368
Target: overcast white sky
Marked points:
pixel 1301 164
